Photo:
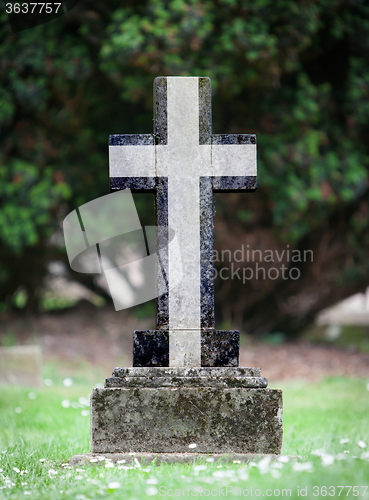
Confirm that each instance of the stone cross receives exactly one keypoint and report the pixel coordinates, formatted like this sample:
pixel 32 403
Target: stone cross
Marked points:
pixel 183 163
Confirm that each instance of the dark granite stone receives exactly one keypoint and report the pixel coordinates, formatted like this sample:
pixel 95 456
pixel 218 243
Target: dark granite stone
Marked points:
pixel 131 140
pixel 161 220
pixel 218 348
pixel 206 253
pixel 223 139
pixel 204 111
pixel 136 184
pixel 160 110
pixel 234 184
pixel 151 348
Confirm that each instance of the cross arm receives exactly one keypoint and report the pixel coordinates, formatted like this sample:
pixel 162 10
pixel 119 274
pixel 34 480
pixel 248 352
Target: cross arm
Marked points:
pixel 132 162
pixel 234 162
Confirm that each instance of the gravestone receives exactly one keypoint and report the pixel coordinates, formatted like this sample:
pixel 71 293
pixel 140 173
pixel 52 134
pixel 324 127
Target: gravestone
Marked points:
pixel 185 386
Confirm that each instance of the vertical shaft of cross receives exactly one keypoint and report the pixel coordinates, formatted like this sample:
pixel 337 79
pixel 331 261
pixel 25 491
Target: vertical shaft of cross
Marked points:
pixel 182 162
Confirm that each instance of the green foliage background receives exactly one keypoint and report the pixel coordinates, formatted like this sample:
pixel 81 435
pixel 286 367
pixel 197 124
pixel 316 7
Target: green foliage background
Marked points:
pixel 294 73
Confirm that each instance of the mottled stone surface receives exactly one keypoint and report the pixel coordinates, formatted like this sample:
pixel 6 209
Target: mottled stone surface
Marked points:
pixel 184 163
pixel 161 220
pixel 129 459
pixel 231 139
pixel 206 254
pixel 135 184
pixel 227 184
pixel 193 371
pixel 168 420
pixel 187 377
pixel 204 111
pixel 218 347
pixel 151 348
pixel 160 110
pixel 131 140
pixel 254 382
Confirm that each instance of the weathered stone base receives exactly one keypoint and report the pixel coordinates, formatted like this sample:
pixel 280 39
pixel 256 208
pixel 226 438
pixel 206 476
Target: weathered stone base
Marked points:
pixel 156 377
pixel 168 419
pixel 131 459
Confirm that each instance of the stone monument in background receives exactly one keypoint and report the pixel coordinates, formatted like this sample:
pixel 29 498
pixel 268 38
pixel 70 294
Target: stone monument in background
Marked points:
pixel 185 386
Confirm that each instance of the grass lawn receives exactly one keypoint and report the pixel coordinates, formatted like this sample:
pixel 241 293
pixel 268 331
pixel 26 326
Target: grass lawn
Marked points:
pixel 326 423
